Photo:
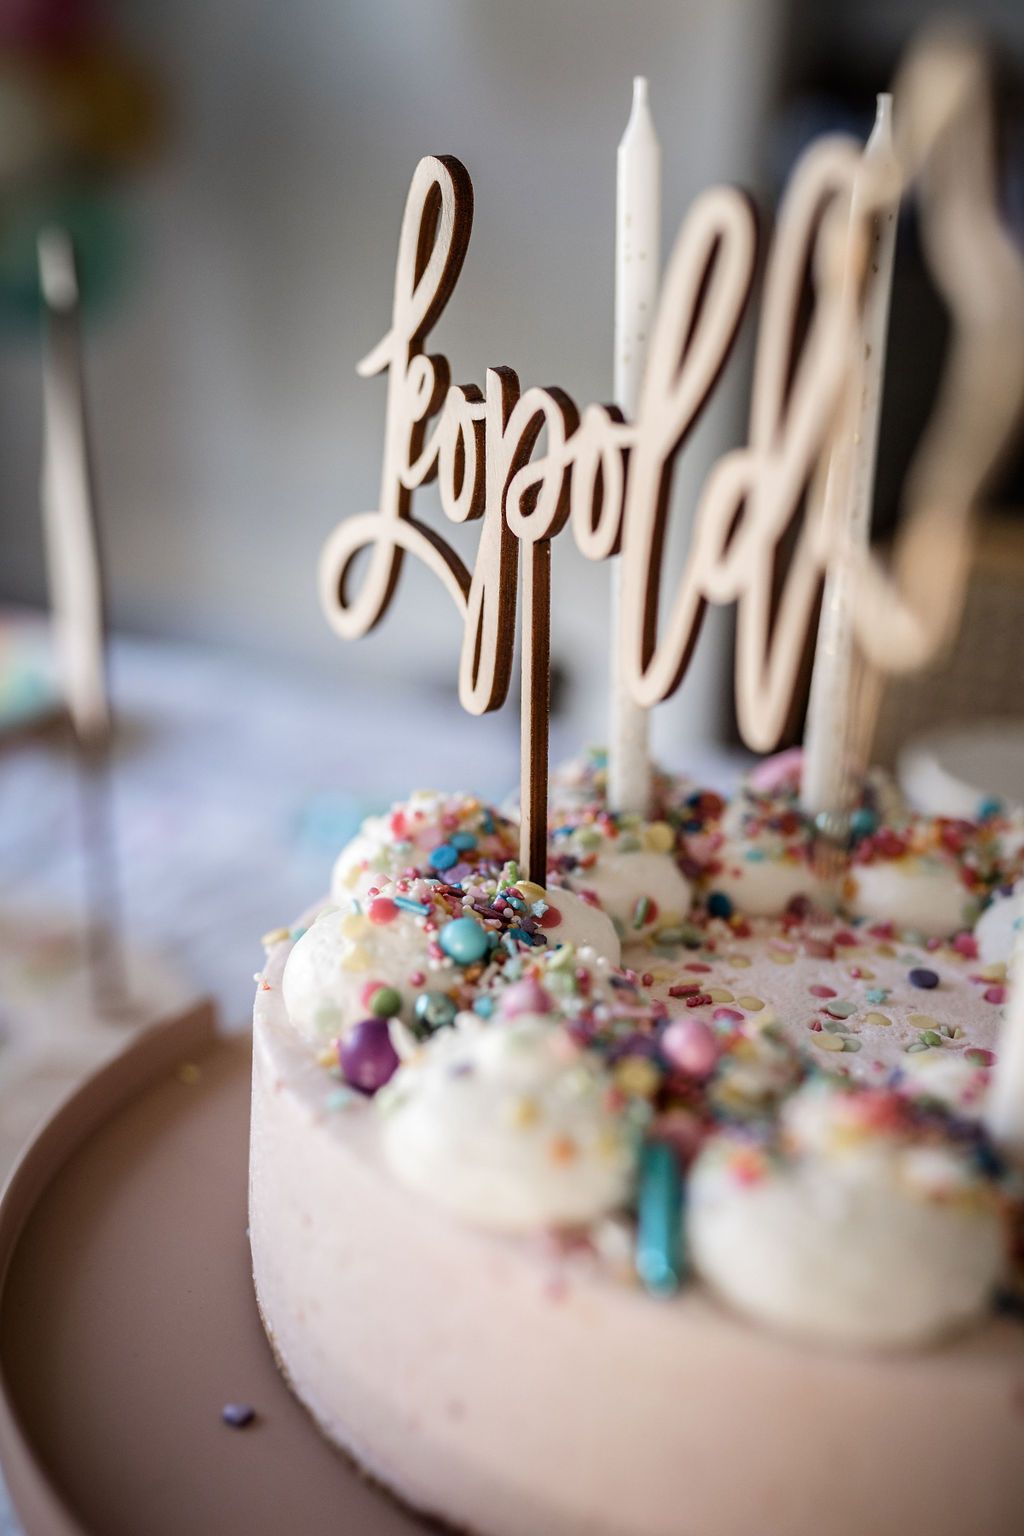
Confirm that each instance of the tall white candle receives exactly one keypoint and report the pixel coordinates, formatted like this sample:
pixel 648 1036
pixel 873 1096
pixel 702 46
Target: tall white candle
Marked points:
pixel 1004 1111
pixel 849 487
pixel 69 520
pixel 637 264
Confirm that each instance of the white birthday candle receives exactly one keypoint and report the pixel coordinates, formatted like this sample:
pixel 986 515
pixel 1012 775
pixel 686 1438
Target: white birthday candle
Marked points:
pixel 850 482
pixel 637 264
pixel 69 520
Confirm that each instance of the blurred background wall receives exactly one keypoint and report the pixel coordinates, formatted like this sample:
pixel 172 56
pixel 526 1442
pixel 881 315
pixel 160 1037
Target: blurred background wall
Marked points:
pixel 252 209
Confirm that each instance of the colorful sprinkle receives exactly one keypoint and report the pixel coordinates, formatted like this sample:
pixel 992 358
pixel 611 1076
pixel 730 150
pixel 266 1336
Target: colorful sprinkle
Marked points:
pixel 464 941
pixel 659 1258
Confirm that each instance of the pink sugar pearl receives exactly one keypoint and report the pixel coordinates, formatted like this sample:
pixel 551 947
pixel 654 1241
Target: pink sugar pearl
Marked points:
pixel 690 1045
pixel 526 996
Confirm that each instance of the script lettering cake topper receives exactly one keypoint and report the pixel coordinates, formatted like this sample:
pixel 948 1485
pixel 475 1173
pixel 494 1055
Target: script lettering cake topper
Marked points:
pixel 526 463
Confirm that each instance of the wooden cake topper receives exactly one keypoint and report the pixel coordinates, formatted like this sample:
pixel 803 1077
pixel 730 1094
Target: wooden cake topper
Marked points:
pixel 525 463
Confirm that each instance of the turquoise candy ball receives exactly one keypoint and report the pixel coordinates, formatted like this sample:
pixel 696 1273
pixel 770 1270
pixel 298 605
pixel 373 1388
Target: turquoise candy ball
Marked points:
pixel 464 941
pixel 432 1011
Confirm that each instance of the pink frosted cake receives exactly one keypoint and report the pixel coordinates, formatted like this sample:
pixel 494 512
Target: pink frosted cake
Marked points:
pixel 626 1206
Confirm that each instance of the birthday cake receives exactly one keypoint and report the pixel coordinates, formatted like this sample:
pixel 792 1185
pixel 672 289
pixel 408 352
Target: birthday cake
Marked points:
pixel 637 1160
pixel 523 1174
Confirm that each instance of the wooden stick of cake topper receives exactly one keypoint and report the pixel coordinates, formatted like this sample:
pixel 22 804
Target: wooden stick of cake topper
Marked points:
pixel 637 264
pixel 827 784
pixel 78 605
pixel 482 447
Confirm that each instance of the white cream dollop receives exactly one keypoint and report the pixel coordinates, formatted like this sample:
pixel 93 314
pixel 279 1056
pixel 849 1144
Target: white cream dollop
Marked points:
pixel 581 925
pixel 508 1126
pixel 761 882
pixel 996 928
pixel 844 1236
pixel 917 894
pixel 326 974
pixel 386 846
pixel 641 891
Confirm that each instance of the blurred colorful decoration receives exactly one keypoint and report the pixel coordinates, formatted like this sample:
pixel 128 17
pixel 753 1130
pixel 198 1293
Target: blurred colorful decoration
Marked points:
pixel 77 112
pixel 29 690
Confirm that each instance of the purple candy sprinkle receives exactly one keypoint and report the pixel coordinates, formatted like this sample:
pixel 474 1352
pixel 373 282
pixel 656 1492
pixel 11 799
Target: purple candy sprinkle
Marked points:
pixel 367 1057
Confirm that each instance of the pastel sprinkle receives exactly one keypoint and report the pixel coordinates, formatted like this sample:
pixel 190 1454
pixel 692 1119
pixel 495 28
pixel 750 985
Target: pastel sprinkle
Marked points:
pixel 877 1018
pixel 827 1042
pixel 921 976
pixel 818 990
pixel 994 995
pixel 979 1058
pixel 465 941
pixel 407 904
pixel 840 1009
pixel 751 1004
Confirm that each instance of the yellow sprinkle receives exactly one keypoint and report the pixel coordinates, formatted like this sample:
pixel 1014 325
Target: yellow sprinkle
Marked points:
pixel 885 950
pixel 876 1018
pixel 826 1042
pixel 780 957
pixel 523 1112
pixel 275 936
pixel 720 995
pixel 609 1142
pixel 328 1057
pixel 637 1076
pixel 865 975
pixel 352 876
pixel 751 1004
pixel 741 962
pixel 188 1073
pixel 994 972
pixel 356 959
pixel 531 891
pixel 922 1021
pixel 658 837
pixel 354 925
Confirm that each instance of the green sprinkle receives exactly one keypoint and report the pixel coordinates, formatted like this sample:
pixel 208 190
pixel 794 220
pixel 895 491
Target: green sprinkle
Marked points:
pixel 850 1043
pixel 931 1037
pixel 641 910
pixel 916 1045
pixel 386 1002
